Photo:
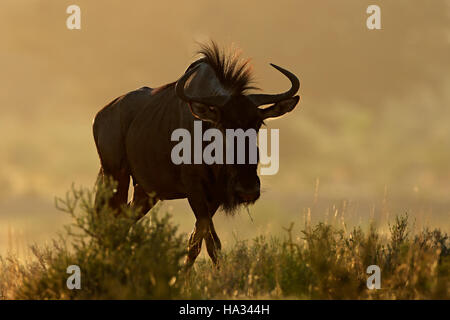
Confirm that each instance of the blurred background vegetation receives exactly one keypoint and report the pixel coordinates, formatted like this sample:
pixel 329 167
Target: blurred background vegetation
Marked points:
pixel 369 140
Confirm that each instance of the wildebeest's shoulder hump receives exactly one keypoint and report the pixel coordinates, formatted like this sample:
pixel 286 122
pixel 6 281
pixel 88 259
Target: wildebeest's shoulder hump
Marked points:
pixel 136 98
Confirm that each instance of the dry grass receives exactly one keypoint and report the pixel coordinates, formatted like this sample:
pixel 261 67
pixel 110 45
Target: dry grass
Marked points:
pixel 146 262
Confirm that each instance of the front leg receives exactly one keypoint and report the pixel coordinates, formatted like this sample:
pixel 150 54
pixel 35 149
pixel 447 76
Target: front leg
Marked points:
pixel 212 240
pixel 204 229
pixel 199 233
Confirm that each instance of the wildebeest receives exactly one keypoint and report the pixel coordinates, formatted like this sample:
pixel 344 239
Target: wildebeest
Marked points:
pixel 133 139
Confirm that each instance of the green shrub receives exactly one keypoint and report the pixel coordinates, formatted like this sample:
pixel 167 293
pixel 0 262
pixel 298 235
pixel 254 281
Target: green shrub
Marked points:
pixel 118 259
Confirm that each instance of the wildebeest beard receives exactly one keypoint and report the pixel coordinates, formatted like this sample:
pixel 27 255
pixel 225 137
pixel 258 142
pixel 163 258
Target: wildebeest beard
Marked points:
pixel 230 202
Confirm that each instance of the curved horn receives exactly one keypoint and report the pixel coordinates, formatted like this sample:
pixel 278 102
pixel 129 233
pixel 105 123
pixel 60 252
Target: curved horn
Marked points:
pixel 210 101
pixel 261 99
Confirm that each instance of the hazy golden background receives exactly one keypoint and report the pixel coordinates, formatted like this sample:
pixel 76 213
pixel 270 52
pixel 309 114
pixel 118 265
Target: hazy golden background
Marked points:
pixel 372 127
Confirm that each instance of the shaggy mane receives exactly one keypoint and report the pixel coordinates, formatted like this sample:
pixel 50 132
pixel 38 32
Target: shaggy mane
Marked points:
pixel 234 73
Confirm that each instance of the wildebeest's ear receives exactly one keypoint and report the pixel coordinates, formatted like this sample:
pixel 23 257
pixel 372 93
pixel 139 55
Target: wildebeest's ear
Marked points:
pixel 204 112
pixel 279 108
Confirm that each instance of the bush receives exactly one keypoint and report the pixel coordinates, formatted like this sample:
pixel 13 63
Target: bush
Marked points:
pixel 118 259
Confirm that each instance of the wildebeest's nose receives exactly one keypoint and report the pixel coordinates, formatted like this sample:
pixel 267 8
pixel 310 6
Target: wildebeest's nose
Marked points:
pixel 249 197
pixel 248 194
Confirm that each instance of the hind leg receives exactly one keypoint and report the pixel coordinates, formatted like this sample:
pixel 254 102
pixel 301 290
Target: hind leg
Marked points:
pixel 142 202
pixel 119 196
pixel 110 143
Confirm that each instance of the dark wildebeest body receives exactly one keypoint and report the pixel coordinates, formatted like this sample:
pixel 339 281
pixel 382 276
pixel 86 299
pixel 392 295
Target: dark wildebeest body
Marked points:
pixel 133 139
